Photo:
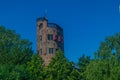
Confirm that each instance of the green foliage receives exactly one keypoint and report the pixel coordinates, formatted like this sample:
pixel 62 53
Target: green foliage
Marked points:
pixel 17 61
pixel 13 72
pixel 106 65
pixel 13 49
pixel 83 63
pixel 14 55
pixel 35 68
pixel 60 69
pixel 75 74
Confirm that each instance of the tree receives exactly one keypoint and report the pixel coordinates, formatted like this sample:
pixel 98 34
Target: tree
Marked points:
pixel 13 49
pixel 14 55
pixel 59 68
pixel 107 60
pixel 35 68
pixel 75 73
pixel 83 63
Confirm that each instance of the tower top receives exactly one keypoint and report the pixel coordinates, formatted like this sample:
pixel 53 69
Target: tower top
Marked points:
pixel 41 19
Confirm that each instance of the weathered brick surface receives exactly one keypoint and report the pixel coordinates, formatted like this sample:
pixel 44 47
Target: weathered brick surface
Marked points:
pixel 44 43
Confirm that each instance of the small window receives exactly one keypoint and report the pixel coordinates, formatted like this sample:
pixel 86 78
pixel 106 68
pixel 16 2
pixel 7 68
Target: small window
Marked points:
pixel 40 37
pixel 37 51
pixel 41 25
pixel 40 51
pixel 50 50
pixel 50 37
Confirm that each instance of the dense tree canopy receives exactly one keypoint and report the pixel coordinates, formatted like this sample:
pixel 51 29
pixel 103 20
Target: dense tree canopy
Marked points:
pixel 35 68
pixel 107 61
pixel 83 63
pixel 60 69
pixel 18 62
pixel 13 49
pixel 15 53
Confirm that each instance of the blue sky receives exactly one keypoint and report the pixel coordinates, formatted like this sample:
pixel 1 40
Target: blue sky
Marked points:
pixel 85 22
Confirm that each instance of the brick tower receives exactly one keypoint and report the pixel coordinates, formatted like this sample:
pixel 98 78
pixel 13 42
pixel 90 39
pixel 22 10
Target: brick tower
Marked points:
pixel 49 39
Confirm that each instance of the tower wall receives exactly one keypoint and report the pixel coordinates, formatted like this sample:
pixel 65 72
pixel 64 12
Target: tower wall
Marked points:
pixel 49 39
